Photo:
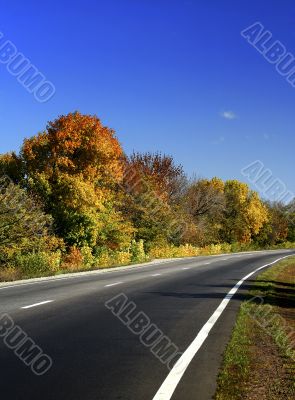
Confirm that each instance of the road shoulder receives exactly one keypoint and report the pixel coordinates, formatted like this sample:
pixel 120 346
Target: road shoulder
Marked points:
pixel 259 361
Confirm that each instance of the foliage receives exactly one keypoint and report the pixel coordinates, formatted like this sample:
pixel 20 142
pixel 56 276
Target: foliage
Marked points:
pixel 22 221
pixel 244 214
pixel 37 264
pixel 72 200
pixel 74 167
pixel 167 179
pixel 137 251
pixel 277 228
pixel 75 144
pixel 11 166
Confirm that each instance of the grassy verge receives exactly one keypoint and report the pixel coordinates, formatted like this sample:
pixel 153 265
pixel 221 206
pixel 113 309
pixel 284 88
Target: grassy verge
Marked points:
pixel 259 362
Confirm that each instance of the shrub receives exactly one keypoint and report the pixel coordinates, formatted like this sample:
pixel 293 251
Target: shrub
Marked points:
pixel 103 259
pixel 73 260
pixel 137 251
pixel 167 251
pixel 9 274
pixel 37 264
pixel 226 248
pixel 88 258
pixel 122 258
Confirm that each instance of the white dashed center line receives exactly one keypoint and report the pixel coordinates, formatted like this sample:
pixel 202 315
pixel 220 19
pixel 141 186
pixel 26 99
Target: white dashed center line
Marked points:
pixel 113 284
pixel 37 304
pixel 156 275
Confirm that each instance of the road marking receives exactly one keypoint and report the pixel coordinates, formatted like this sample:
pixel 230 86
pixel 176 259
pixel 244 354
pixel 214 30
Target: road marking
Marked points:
pixel 156 274
pixel 37 304
pixel 113 284
pixel 185 268
pixel 224 259
pixel 170 383
pixel 207 263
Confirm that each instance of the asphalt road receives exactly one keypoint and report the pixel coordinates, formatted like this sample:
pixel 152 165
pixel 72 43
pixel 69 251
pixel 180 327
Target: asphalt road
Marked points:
pixel 95 356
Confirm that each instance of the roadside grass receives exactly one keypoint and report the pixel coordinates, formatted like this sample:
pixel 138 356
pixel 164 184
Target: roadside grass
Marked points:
pixel 259 361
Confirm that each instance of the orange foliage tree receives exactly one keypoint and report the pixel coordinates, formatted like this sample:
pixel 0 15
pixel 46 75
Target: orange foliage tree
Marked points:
pixel 75 166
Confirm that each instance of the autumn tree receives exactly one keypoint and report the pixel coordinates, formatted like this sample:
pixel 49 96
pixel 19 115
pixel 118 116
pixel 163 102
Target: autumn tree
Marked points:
pixel 244 214
pixel 204 202
pixel 148 212
pixel 75 144
pixel 153 185
pixel 163 174
pixel 276 229
pixel 204 197
pixel 11 166
pixel 74 166
pixel 77 173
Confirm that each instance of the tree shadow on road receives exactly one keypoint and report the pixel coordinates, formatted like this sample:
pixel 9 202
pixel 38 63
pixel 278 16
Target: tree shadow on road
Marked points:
pixel 274 293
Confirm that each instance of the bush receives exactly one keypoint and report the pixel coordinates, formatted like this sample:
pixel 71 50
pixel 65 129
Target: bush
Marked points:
pixel 212 249
pixel 88 258
pixel 37 264
pixel 122 258
pixel 73 261
pixel 137 251
pixel 9 274
pixel 167 251
pixel 103 258
pixel 226 248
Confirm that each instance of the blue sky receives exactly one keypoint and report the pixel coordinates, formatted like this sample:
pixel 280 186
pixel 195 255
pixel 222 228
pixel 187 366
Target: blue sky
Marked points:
pixel 162 74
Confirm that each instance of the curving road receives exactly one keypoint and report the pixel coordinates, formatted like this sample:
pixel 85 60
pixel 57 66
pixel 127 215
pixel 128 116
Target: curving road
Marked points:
pixel 96 356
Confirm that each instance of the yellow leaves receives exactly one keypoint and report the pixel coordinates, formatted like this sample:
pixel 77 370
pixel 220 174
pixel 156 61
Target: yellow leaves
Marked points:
pixel 217 183
pixel 246 214
pixel 78 194
pixel 257 213
pixel 11 165
pixel 74 166
pixel 237 191
pixel 99 197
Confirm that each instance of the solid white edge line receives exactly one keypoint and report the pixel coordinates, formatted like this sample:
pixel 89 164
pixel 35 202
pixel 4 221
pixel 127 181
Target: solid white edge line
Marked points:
pixel 170 383
pixel 37 304
pixel 113 284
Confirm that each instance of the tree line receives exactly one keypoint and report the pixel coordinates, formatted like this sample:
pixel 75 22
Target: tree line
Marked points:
pixel 72 197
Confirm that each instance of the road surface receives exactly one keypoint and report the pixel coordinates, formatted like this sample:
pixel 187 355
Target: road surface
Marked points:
pixel 95 356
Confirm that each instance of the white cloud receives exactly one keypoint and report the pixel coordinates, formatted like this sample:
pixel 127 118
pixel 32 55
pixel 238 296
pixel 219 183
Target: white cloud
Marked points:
pixel 228 115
